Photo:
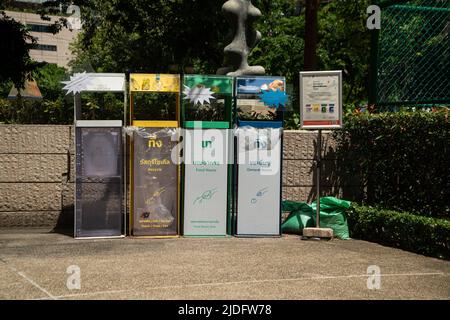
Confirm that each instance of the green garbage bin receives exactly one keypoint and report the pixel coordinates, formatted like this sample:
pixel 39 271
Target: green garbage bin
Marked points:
pixel 206 120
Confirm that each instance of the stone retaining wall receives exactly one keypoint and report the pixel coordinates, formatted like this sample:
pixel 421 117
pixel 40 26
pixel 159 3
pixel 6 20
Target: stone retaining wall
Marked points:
pixel 37 183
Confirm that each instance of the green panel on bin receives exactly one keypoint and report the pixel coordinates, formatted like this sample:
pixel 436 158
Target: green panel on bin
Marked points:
pixel 207 125
pixel 208 99
pixel 218 84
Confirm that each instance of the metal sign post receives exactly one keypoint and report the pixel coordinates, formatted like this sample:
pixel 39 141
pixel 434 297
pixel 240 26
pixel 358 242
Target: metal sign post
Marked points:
pixel 320 108
pixel 319 165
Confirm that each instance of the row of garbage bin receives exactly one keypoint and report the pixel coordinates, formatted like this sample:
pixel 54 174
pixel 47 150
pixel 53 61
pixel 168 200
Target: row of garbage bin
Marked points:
pixel 189 158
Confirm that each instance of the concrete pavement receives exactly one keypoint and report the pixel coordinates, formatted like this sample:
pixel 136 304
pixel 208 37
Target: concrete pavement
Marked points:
pixel 33 265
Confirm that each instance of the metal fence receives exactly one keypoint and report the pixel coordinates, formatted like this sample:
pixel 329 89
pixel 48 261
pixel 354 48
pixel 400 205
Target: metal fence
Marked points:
pixel 411 60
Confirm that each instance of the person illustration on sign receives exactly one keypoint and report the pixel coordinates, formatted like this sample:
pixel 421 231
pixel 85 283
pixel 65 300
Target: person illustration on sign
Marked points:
pixel 156 209
pixel 207 195
pixel 259 195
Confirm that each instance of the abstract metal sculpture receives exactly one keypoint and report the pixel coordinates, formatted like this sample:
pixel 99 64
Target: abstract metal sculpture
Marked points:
pixel 241 14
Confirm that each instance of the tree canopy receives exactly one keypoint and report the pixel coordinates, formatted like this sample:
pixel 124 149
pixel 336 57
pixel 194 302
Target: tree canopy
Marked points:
pixel 162 36
pixel 15 45
pixel 185 36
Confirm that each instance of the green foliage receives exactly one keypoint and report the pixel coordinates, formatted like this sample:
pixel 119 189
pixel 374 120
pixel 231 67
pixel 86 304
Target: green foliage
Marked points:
pixel 49 79
pixel 185 35
pixel 59 111
pixel 102 106
pixel 150 36
pixel 15 45
pixel 5 88
pixel 55 108
pixel 424 235
pixel 292 122
pixel 154 106
pixel 281 48
pixel 413 53
pixel 344 44
pixel 401 159
pixel 206 112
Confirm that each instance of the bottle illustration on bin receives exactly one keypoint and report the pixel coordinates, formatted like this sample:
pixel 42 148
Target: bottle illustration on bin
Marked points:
pixel 154 173
pixel 259 108
pixel 99 166
pixel 207 170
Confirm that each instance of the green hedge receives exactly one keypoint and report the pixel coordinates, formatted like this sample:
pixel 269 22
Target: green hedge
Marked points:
pixel 400 159
pixel 428 236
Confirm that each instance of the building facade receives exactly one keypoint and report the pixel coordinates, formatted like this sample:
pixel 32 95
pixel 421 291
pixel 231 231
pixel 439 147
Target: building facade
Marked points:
pixel 51 48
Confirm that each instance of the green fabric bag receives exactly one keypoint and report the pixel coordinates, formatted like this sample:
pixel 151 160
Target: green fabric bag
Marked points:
pixel 300 217
pixel 332 215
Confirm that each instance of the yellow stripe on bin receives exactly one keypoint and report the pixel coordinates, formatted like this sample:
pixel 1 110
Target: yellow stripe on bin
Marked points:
pixel 155 124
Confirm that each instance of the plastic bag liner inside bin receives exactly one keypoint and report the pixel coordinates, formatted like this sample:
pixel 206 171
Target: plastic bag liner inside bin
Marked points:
pixel 154 133
pixel 303 215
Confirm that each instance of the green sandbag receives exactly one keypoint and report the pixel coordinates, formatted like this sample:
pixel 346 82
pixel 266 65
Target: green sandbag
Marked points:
pixel 300 217
pixel 332 215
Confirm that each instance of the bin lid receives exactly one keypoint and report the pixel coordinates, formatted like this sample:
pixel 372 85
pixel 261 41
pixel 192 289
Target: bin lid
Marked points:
pixel 95 82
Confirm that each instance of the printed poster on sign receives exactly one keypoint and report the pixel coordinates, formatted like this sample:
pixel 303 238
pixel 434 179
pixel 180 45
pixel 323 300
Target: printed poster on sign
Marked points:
pixel 321 100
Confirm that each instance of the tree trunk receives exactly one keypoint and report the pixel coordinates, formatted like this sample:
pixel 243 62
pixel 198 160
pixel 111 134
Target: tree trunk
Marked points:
pixel 312 8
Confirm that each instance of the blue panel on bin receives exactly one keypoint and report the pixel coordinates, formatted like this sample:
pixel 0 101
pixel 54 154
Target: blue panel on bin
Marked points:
pixel 255 85
pixel 261 124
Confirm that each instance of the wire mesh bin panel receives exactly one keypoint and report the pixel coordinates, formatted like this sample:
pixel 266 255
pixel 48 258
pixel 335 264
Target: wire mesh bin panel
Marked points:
pixel 99 183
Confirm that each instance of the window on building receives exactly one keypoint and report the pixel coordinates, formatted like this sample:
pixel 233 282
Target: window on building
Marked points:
pixel 44 47
pixel 39 28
